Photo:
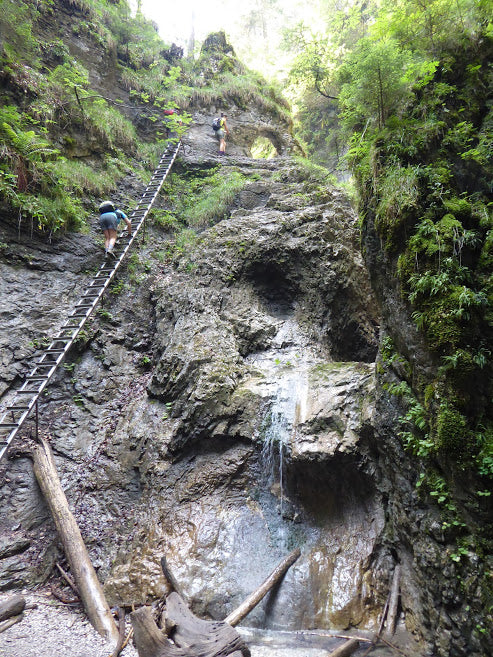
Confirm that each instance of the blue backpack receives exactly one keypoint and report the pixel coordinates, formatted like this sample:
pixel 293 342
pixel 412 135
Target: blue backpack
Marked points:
pixel 216 124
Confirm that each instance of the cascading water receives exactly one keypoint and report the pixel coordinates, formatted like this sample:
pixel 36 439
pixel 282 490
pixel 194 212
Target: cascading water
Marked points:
pixel 281 426
pixel 285 383
pixel 310 492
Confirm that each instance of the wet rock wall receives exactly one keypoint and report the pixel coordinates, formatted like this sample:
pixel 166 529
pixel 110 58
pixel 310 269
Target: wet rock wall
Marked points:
pixel 159 423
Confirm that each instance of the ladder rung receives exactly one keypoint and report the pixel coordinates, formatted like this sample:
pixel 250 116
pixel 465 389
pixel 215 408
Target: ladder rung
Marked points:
pixel 8 425
pixel 17 408
pixel 35 377
pixel 27 392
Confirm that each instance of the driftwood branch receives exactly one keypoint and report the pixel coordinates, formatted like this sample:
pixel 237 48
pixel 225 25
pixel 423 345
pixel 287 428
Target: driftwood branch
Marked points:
pixel 68 578
pixel 90 590
pixel 345 649
pixel 4 625
pixel 147 636
pixel 252 601
pixel 171 579
pixel 188 636
pixel 121 632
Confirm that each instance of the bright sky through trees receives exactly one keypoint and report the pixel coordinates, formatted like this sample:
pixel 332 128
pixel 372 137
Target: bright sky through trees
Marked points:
pixel 175 19
pixel 253 27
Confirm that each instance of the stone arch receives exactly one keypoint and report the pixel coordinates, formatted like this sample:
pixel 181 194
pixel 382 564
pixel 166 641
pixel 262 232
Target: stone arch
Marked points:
pixel 263 136
pixel 263 148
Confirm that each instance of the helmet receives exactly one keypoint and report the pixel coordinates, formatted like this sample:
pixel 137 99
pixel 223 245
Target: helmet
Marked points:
pixel 107 206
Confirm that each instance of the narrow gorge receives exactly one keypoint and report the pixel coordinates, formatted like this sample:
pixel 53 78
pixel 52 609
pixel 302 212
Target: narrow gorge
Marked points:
pixel 231 398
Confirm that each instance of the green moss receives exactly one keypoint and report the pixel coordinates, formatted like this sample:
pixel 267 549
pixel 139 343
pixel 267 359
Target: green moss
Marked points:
pixel 451 428
pixel 460 207
pixel 398 191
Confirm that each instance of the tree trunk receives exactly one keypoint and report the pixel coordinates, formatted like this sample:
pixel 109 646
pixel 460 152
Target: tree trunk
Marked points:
pixel 252 601
pixel 90 590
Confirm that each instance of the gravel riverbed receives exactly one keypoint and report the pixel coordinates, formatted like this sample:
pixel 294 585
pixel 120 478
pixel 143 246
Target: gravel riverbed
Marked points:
pixel 49 628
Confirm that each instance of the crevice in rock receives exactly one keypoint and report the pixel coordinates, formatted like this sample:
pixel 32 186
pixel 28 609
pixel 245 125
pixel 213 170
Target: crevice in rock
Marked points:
pixel 272 284
pixel 331 490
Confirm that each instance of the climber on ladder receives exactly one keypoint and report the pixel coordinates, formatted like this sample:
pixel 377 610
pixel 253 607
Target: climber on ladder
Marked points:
pixel 109 218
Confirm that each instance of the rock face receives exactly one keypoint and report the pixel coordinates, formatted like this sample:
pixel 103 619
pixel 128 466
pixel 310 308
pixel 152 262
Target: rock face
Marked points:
pixel 245 437
pixel 251 392
pixel 222 409
pixel 249 119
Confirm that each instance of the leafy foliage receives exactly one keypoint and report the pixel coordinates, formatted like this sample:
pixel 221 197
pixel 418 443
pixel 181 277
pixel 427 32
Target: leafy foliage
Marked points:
pixel 200 201
pixel 49 110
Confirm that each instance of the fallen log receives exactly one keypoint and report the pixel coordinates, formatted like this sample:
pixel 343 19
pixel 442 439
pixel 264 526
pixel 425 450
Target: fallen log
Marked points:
pixel 90 590
pixel 188 636
pixel 4 625
pixel 13 606
pixel 345 649
pixel 252 601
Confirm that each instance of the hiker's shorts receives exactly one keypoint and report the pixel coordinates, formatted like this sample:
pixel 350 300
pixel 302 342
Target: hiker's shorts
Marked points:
pixel 108 220
pixel 221 134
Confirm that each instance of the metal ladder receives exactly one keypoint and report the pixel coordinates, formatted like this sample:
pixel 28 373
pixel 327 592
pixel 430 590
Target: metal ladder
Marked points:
pixel 25 398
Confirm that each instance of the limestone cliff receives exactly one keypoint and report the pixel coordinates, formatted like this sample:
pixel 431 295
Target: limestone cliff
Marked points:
pixel 222 407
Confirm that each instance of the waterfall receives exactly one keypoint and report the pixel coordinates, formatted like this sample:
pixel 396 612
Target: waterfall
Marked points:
pixel 281 428
pixel 284 386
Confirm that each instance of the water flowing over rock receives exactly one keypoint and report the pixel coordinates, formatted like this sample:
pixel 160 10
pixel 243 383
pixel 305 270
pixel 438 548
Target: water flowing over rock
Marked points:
pixel 268 320
pixel 222 406
pixel 241 328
